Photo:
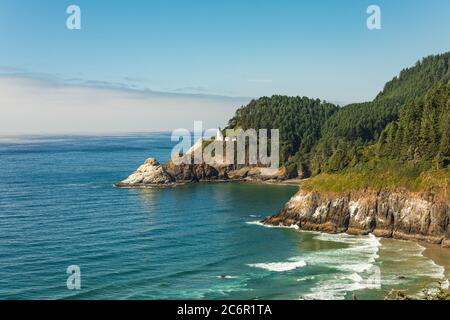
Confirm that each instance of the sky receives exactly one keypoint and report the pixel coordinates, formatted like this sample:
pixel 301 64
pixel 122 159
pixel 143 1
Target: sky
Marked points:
pixel 157 65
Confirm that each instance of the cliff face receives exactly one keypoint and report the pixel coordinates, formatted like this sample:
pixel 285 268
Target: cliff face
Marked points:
pixel 396 214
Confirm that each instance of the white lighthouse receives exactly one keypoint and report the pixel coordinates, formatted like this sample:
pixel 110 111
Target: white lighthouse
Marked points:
pixel 219 135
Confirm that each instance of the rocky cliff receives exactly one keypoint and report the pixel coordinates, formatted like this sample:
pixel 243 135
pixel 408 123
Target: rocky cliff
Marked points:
pixel 397 214
pixel 153 174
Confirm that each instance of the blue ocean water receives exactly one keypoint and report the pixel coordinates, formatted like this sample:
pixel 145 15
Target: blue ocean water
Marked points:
pixel 58 207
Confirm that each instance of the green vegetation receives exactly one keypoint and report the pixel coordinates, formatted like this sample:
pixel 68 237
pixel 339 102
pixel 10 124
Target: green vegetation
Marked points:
pixel 351 128
pixel 422 133
pixel 438 292
pixel 401 138
pixel 417 81
pixel 385 176
pixel 357 126
pixel 299 120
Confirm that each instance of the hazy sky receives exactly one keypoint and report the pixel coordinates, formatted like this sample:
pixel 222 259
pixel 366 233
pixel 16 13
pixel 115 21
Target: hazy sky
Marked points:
pixel 30 106
pixel 104 76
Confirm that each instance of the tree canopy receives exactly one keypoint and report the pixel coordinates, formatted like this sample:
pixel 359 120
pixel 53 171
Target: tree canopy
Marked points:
pixel 408 120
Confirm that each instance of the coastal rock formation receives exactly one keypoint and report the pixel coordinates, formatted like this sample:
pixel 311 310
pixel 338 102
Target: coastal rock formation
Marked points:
pixel 397 214
pixel 151 173
pixel 195 172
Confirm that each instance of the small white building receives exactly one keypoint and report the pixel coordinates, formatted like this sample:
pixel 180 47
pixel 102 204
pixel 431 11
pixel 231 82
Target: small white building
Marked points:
pixel 220 137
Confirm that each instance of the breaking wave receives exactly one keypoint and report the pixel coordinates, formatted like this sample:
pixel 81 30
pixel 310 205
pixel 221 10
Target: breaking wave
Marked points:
pixel 259 223
pixel 342 264
pixel 349 269
pixel 289 265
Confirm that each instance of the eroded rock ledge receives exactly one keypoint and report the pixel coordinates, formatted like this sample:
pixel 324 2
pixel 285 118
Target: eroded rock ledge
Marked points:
pixel 153 174
pixel 391 214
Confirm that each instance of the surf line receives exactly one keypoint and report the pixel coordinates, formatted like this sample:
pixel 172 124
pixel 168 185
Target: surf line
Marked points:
pixel 197 311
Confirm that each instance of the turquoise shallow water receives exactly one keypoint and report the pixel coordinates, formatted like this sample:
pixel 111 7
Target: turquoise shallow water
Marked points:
pixel 58 208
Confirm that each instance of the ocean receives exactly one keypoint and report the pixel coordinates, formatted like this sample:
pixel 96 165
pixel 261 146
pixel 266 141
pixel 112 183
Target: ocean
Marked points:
pixel 58 208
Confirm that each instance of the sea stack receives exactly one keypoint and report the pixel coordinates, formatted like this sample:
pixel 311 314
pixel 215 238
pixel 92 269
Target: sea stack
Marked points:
pixel 149 174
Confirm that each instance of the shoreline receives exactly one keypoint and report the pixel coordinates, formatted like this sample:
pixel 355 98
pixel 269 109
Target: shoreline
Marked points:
pixel 387 214
pixel 289 182
pixel 439 255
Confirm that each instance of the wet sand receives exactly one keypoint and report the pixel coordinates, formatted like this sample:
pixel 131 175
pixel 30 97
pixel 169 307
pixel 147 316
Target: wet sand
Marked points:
pixel 439 255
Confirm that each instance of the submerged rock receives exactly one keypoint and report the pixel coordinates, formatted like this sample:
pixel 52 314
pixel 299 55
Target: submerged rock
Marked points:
pixel 151 173
pixel 390 214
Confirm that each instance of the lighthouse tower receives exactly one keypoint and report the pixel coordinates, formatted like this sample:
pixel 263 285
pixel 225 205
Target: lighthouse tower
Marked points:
pixel 219 135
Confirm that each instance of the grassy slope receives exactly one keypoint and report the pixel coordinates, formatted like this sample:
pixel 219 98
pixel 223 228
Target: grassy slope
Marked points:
pixel 386 177
pixel 384 172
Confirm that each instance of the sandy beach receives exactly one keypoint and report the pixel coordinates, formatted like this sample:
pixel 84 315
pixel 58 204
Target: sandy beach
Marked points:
pixel 439 255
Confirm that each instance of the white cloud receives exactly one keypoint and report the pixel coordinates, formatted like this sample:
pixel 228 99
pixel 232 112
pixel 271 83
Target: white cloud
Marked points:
pixel 34 106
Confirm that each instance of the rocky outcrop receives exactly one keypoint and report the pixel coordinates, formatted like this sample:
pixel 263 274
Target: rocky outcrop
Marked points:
pixel 196 172
pixel 151 173
pixel 393 214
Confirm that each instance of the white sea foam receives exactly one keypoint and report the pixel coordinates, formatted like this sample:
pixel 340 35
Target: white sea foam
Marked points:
pixel 259 223
pixel 355 277
pixel 352 268
pixel 337 287
pixel 291 264
pixel 408 262
pixel 356 266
